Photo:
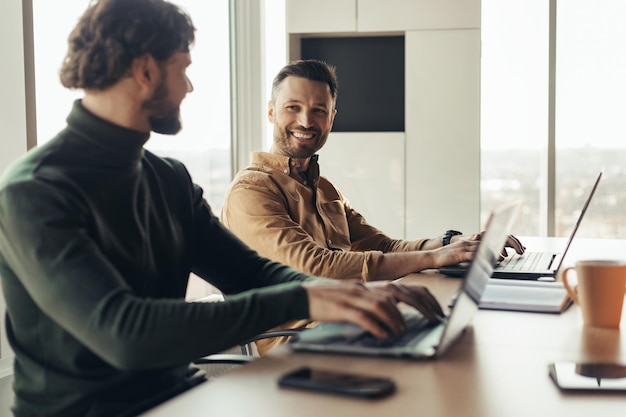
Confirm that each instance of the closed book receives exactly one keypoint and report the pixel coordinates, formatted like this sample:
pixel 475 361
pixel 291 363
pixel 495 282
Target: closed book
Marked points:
pixel 518 295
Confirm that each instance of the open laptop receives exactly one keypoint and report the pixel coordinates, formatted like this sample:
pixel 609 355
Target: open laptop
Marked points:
pixel 424 339
pixel 530 265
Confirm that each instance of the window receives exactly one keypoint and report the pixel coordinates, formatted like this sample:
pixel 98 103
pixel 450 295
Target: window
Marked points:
pixel 588 90
pixel 590 109
pixel 53 101
pixel 514 106
pixel 275 54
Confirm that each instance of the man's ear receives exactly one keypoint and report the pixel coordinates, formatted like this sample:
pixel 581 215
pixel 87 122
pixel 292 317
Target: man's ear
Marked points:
pixel 145 71
pixel 270 111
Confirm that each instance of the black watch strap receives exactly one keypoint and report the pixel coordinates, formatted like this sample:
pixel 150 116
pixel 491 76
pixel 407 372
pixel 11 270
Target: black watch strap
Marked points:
pixel 448 235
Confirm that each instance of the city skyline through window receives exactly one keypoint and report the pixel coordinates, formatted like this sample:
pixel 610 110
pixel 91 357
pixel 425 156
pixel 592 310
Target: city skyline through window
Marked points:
pixel 589 101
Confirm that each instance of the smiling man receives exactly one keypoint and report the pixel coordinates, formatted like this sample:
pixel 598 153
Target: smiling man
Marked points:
pixel 299 133
pixel 283 208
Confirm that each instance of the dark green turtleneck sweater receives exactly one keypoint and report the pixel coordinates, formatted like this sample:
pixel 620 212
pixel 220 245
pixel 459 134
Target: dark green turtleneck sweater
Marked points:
pixel 97 240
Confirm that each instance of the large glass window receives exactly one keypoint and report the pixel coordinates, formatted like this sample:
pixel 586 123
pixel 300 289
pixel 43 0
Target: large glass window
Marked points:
pixel 590 110
pixel 589 96
pixel 514 106
pixel 275 53
pixel 50 31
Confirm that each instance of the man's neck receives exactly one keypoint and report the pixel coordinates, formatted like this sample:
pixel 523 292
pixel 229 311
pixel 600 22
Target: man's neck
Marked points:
pixel 303 163
pixel 118 105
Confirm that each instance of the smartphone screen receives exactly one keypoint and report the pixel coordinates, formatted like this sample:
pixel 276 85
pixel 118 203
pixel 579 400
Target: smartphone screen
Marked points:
pixel 338 383
pixel 588 376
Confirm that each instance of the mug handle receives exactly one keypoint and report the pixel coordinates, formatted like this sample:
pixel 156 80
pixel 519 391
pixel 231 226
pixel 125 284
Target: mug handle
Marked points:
pixel 572 292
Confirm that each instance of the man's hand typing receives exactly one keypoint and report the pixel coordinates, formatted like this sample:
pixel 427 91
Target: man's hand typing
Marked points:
pixel 371 306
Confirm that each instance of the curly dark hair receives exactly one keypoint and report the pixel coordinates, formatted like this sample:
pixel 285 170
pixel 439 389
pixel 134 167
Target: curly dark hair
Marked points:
pixel 311 69
pixel 111 33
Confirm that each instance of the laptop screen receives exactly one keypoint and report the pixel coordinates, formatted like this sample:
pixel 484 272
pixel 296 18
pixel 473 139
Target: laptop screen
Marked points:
pixel 579 220
pixel 492 242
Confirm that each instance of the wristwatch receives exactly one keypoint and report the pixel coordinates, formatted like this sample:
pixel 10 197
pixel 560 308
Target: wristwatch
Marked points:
pixel 448 235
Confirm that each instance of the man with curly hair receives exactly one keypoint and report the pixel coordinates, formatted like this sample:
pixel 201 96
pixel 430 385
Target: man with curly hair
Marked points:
pixel 98 237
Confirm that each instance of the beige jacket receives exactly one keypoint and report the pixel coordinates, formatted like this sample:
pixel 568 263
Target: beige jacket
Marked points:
pixel 306 224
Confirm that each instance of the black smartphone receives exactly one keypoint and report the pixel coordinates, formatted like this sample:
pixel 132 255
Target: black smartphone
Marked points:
pixel 338 383
pixel 588 376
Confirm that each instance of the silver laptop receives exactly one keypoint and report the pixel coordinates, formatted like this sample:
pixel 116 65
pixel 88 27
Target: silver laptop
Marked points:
pixel 530 265
pixel 424 339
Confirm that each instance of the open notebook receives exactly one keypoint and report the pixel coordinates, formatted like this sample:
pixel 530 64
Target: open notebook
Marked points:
pixel 531 265
pixel 424 339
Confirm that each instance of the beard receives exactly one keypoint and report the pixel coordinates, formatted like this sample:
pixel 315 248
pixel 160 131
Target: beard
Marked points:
pixel 164 116
pixel 293 148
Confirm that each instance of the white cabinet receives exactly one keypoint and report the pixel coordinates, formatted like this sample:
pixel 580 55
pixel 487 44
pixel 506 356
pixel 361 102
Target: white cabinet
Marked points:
pixel 368 168
pixel 320 16
pixel 393 15
pixel 442 131
pixel 324 16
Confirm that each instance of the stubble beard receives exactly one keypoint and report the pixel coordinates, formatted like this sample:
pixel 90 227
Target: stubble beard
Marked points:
pixel 164 116
pixel 284 140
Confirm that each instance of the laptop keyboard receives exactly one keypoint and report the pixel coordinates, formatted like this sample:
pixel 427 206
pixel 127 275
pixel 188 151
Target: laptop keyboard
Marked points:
pixel 530 261
pixel 416 323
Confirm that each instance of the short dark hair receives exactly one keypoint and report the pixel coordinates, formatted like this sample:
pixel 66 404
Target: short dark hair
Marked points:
pixel 311 69
pixel 111 33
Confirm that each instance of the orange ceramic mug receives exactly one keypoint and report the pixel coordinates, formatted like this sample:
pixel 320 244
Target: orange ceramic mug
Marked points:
pixel 599 292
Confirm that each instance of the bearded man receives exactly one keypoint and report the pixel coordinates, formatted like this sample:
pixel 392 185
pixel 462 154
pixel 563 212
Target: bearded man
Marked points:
pixel 282 207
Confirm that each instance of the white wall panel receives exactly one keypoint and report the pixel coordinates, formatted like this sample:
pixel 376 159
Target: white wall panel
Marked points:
pixel 393 15
pixel 442 131
pixel 13 98
pixel 13 141
pixel 368 168
pixel 318 16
